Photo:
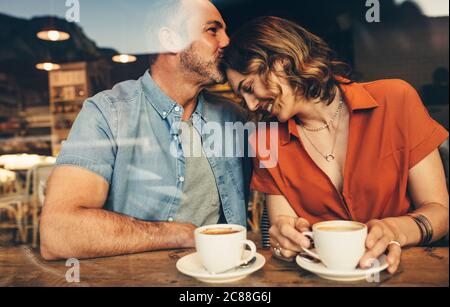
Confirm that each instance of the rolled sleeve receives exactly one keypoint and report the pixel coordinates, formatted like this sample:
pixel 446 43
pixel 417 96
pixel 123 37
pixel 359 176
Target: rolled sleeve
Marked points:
pixel 422 150
pixel 424 134
pixel 91 143
pixel 262 180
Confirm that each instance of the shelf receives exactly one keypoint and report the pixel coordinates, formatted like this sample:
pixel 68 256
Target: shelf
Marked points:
pixel 66 114
pixel 69 88
pixel 39 125
pixel 66 130
pixel 73 101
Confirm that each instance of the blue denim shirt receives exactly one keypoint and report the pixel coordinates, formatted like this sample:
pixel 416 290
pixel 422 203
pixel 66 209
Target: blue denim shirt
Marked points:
pixel 126 135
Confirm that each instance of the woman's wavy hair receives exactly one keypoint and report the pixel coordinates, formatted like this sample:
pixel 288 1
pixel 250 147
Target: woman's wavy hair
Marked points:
pixel 308 64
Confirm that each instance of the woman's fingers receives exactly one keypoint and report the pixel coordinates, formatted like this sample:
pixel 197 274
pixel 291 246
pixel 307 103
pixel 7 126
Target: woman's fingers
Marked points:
pixel 379 240
pixel 285 234
pixel 283 240
pixel 375 234
pixel 288 254
pixel 393 257
pixel 285 253
pixel 302 225
pixel 379 248
pixel 293 235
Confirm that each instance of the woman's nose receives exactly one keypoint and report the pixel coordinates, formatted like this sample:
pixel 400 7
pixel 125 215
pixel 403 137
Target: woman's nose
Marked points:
pixel 252 103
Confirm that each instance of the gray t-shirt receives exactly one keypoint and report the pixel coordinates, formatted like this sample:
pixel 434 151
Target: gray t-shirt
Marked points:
pixel 200 203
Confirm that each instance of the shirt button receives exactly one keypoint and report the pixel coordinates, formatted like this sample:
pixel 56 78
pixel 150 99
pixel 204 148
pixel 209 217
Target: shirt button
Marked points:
pixel 164 113
pixel 177 109
pixel 175 138
pixel 170 219
pixel 181 179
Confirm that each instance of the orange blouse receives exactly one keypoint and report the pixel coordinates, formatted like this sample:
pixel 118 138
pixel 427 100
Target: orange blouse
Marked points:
pixel 390 132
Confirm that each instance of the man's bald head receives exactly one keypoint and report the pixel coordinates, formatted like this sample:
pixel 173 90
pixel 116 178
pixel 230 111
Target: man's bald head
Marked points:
pixel 173 14
pixel 162 13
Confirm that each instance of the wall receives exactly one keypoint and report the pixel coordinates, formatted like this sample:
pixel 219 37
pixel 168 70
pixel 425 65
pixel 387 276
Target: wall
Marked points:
pixel 408 51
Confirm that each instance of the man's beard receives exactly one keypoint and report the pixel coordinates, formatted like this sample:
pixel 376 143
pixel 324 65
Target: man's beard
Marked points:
pixel 205 71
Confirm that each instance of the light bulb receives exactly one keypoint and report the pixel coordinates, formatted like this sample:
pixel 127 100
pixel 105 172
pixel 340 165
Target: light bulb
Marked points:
pixel 53 35
pixel 124 58
pixel 48 66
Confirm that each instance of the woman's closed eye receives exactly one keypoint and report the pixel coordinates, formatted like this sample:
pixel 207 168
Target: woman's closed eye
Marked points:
pixel 248 88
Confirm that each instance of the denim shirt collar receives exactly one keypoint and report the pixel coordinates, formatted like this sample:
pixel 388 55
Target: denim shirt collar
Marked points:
pixel 162 103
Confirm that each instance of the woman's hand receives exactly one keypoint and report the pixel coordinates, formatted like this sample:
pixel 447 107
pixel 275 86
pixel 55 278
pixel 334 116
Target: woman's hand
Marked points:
pixel 286 236
pixel 383 236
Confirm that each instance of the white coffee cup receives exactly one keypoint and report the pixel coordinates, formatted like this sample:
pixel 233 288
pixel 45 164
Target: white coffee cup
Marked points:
pixel 222 251
pixel 340 245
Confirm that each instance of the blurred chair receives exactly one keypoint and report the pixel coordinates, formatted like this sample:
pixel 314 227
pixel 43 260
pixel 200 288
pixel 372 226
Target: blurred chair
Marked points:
pixel 14 200
pixel 265 221
pixel 256 210
pixel 265 226
pixel 7 181
pixel 443 150
pixel 440 114
pixel 39 175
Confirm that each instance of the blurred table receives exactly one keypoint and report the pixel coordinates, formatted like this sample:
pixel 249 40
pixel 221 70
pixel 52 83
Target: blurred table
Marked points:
pixel 23 162
pixel 6 176
pixel 22 266
pixel 7 182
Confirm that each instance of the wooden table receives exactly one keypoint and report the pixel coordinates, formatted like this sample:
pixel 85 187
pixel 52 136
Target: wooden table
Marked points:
pixel 22 266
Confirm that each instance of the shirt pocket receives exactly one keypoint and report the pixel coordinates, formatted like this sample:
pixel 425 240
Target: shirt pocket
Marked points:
pixel 384 178
pixel 393 159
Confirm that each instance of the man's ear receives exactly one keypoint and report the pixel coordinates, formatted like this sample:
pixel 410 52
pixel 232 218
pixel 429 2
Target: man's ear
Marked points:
pixel 170 40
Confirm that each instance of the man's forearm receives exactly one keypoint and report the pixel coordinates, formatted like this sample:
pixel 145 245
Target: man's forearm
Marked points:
pixel 90 233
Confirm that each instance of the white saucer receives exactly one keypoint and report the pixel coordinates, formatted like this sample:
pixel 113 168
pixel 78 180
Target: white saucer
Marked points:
pixel 354 275
pixel 191 265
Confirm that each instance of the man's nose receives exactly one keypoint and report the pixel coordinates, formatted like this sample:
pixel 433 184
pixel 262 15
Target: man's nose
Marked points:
pixel 225 40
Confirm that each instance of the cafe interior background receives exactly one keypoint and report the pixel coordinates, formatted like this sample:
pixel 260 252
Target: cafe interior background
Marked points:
pixel 49 64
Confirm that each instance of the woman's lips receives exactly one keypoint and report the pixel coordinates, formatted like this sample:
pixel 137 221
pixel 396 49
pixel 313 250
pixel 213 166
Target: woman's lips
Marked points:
pixel 266 110
pixel 267 107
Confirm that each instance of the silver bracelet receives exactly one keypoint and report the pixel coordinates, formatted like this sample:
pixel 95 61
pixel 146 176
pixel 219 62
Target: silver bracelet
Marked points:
pixel 426 229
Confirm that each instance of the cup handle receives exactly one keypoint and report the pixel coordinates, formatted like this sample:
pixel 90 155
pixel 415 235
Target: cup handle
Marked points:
pixel 312 254
pixel 252 251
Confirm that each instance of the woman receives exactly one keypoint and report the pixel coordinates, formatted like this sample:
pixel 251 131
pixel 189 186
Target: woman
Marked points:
pixel 346 150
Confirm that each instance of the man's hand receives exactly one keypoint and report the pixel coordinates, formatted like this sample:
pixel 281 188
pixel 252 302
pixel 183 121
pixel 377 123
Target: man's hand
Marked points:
pixel 186 238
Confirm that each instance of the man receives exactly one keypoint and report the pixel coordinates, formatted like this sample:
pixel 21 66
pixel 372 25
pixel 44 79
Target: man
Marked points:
pixel 123 183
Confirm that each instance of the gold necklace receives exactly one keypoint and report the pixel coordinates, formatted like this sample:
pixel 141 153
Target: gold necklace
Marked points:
pixel 327 124
pixel 331 156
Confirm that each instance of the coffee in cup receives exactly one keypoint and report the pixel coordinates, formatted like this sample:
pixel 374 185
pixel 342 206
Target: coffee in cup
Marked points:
pixel 221 247
pixel 219 231
pixel 339 228
pixel 339 244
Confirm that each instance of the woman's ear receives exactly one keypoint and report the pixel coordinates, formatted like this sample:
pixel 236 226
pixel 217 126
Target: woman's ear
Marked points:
pixel 280 69
pixel 281 65
pixel 170 40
